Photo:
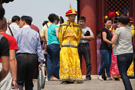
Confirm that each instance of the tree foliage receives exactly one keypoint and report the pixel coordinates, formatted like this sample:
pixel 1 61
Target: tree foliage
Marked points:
pixel 6 1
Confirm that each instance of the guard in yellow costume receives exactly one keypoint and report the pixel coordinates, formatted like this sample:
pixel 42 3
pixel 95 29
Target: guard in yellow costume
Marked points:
pixel 69 38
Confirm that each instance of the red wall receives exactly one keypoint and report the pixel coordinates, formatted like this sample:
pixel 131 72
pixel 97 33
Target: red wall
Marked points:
pixel 88 8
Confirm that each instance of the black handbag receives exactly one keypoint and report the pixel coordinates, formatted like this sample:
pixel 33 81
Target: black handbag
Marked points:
pixel 87 33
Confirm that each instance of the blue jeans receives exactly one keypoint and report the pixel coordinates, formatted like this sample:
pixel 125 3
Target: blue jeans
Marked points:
pixel 124 61
pixel 53 60
pixel 106 56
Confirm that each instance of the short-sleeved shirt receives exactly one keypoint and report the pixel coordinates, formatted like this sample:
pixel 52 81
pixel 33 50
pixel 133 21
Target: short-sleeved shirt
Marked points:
pixel 104 45
pixel 44 32
pixel 12 42
pixel 52 38
pixel 13 26
pixel 124 42
pixel 84 30
pixel 4 46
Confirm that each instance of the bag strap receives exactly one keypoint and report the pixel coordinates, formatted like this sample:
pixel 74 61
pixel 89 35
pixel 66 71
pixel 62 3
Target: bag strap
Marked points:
pixel 10 30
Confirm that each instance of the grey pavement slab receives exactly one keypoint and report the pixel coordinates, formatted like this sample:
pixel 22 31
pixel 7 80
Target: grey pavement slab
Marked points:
pixel 93 84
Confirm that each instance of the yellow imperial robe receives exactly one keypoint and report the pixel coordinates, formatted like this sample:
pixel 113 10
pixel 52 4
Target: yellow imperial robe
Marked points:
pixel 130 71
pixel 69 38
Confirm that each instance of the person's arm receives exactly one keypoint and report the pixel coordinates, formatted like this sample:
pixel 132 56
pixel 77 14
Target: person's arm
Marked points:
pixel 116 35
pixel 39 52
pixel 43 38
pixel 104 34
pixel 114 39
pixel 5 67
pixel 57 31
pixel 45 48
pixel 79 35
pixel 60 34
pixel 43 35
pixel 4 49
pixel 88 37
pixel 13 68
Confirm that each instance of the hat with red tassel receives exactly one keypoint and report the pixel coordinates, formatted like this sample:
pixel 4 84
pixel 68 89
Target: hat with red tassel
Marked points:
pixel 71 11
pixel 111 15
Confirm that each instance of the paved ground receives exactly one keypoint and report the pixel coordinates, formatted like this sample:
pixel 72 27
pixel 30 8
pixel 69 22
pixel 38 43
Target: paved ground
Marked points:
pixel 94 84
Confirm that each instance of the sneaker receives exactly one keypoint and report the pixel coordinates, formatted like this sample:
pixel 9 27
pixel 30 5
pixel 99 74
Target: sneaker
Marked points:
pixel 46 79
pixel 109 78
pixel 100 77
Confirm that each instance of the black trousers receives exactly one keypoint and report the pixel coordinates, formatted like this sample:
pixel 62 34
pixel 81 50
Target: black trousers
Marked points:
pixel 84 50
pixel 26 64
pixel 124 61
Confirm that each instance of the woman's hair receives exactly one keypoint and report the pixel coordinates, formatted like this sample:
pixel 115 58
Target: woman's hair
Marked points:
pixel 61 20
pixel 44 23
pixel 52 17
pixel 107 19
pixel 124 20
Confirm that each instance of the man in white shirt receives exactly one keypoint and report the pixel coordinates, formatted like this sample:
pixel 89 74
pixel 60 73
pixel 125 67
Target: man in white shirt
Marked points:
pixel 13 26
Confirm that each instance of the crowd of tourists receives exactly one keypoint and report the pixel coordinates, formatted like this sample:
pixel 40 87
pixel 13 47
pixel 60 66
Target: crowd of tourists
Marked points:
pixel 63 45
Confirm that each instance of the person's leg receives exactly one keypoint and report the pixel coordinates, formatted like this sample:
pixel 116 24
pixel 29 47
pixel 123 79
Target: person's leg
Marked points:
pixel 32 63
pixel 80 55
pixel 57 69
pixel 105 57
pixel 46 66
pixel 98 61
pixel 87 58
pixel 58 63
pixel 109 64
pixel 122 61
pixel 54 55
pixel 130 59
pixel 21 70
pixel 49 64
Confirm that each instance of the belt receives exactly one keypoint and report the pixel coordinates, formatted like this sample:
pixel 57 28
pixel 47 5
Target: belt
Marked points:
pixel 25 54
pixel 83 44
pixel 69 46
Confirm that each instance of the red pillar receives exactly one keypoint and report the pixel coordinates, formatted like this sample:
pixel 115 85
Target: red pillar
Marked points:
pixel 88 9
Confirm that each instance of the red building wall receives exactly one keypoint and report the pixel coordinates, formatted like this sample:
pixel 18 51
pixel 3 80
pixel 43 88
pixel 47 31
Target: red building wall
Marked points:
pixel 88 8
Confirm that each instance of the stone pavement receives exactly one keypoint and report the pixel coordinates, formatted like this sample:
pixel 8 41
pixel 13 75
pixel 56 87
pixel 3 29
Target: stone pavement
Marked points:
pixel 94 84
